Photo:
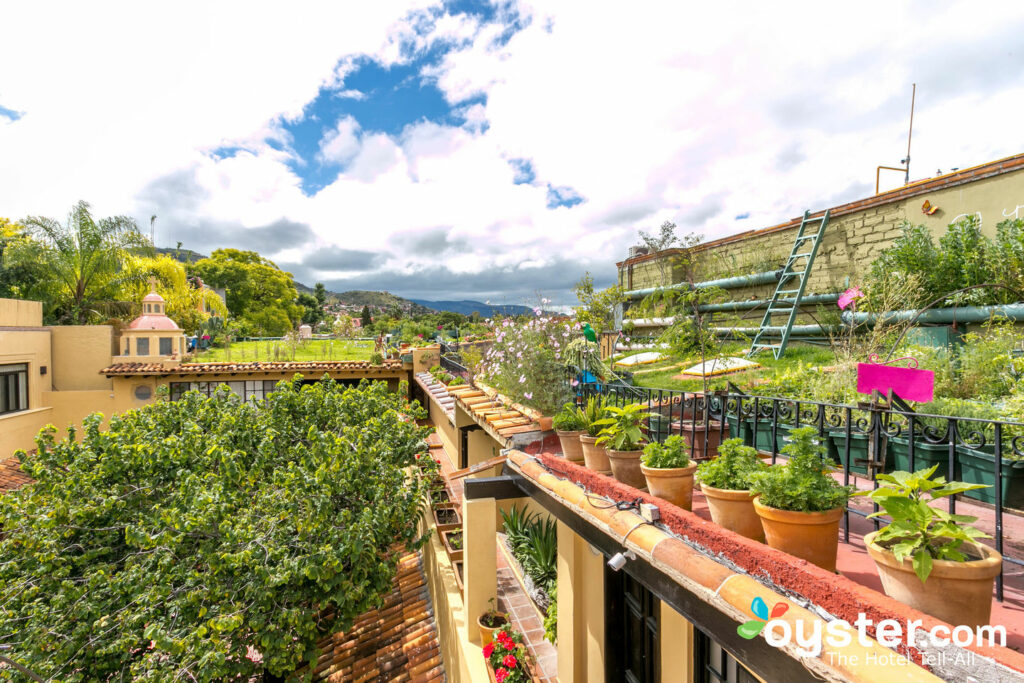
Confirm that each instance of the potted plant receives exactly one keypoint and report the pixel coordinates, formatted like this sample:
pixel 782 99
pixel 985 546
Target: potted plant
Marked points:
pixel 594 457
pixel 622 436
pixel 452 540
pixel 446 517
pixel 489 621
pixel 799 503
pixel 928 558
pixel 669 472
pixel 725 482
pixel 440 497
pixel 507 657
pixel 570 425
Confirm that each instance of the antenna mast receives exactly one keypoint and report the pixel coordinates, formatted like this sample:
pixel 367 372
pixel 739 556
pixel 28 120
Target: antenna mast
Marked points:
pixel 152 230
pixel 910 133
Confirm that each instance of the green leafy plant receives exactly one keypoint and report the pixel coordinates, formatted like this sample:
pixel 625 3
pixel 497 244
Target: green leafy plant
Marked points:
pixel 539 555
pixel 733 467
pixel 918 530
pixel 671 454
pixel 456 381
pixel 593 412
pixel 492 618
pixel 802 484
pixel 376 358
pixel 517 521
pixel 621 431
pixel 569 419
pixel 551 620
pixel 187 532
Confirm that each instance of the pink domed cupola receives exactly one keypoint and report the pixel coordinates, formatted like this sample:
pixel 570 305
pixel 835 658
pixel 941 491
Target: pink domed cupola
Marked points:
pixel 153 333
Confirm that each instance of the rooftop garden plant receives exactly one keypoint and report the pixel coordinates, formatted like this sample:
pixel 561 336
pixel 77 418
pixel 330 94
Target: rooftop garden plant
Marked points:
pixel 534 543
pixel 670 454
pixel 569 419
pixel 528 361
pixel 592 412
pixel 734 467
pixel 622 429
pixel 803 483
pixel 206 528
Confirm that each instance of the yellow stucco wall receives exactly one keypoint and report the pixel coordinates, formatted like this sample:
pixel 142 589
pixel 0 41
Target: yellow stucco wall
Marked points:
pixel 20 313
pixel 79 353
pixel 31 347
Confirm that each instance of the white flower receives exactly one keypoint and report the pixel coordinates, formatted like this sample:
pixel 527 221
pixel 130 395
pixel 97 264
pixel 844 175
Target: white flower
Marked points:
pixel 528 395
pixel 522 378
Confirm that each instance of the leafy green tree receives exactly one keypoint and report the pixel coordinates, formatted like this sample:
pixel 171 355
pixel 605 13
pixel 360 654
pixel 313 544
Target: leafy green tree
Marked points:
pixel 85 262
pixel 260 295
pixel 209 538
pixel 365 318
pixel 320 292
pixel 312 311
pixel 187 304
pixel 16 278
pixel 596 307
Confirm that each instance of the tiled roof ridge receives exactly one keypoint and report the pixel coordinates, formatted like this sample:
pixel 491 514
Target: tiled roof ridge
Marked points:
pixel 396 641
pixel 918 187
pixel 136 368
pixel 508 422
pixel 696 550
pixel 11 475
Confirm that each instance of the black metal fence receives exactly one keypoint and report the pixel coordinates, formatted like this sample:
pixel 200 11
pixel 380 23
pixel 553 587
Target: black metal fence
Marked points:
pixel 451 361
pixel 864 439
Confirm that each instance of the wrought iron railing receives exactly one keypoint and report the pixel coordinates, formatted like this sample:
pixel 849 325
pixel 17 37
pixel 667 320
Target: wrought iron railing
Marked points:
pixel 451 361
pixel 865 439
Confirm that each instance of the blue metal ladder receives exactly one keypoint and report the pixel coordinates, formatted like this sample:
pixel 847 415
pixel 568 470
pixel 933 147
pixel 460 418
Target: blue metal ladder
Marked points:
pixel 790 288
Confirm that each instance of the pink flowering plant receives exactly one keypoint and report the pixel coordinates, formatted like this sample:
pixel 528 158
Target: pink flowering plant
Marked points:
pixel 506 656
pixel 529 358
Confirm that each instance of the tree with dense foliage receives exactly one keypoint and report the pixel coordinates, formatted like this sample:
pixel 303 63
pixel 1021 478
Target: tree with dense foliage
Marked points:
pixel 260 296
pixel 187 303
pixel 17 278
pixel 209 538
pixel 85 262
pixel 365 318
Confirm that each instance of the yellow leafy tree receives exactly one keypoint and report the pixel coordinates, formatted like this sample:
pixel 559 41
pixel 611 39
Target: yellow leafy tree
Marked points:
pixel 187 304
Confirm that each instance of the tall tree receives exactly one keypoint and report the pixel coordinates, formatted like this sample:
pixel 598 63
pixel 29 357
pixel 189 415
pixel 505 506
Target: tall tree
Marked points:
pixel 188 303
pixel 365 318
pixel 85 261
pixel 260 296
pixel 17 279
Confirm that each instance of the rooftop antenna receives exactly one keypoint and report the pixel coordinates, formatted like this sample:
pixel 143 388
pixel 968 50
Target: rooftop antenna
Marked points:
pixel 910 133
pixel 905 162
pixel 152 230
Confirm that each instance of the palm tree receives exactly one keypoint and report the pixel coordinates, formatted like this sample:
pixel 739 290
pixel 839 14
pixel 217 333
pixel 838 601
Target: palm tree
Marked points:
pixel 86 262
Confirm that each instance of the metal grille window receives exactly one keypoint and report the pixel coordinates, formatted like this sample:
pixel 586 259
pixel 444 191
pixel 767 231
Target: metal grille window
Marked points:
pixel 165 346
pixel 250 390
pixel 13 388
pixel 142 346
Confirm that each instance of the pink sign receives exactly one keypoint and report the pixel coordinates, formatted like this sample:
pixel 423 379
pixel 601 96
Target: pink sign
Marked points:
pixel 910 384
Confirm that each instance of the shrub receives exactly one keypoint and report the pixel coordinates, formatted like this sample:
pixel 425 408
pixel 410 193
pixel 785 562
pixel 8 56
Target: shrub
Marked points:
pixel 376 358
pixel 733 467
pixel 551 620
pixel 190 532
pixel 592 413
pixel 569 419
pixel 802 484
pixel 671 454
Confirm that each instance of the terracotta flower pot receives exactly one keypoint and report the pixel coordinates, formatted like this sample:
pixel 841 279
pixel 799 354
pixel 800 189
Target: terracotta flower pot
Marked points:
pixel 674 484
pixel 594 457
pixel 955 592
pixel 812 536
pixel 447 517
pixel 694 435
pixel 626 468
pixel 449 547
pixel 572 449
pixel 734 510
pixel 487 632
pixel 545 423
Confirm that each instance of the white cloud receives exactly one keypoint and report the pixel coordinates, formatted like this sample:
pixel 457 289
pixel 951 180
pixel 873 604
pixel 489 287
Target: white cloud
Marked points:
pixel 692 112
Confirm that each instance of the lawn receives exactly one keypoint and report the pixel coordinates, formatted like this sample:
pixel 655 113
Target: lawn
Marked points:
pixel 309 350
pixel 660 375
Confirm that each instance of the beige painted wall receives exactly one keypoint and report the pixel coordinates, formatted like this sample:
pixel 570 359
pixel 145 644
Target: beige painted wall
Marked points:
pixel 32 347
pixel 20 313
pixel 79 353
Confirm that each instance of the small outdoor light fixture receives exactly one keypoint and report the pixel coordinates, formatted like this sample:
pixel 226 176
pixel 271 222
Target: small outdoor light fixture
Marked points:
pixel 618 560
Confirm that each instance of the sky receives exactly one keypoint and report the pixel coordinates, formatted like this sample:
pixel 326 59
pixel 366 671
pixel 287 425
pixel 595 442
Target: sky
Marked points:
pixel 490 151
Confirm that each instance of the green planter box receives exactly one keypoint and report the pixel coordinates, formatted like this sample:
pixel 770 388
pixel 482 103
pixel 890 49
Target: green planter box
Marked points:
pixel 925 455
pixel 979 467
pixel 764 435
pixel 858 451
pixel 739 430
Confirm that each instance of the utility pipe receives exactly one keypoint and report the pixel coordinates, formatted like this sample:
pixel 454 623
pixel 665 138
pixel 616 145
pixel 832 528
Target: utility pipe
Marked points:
pixel 765 278
pixel 730 306
pixel 959 314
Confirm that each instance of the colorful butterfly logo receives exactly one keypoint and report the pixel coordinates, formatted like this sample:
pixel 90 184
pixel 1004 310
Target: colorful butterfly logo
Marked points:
pixel 752 628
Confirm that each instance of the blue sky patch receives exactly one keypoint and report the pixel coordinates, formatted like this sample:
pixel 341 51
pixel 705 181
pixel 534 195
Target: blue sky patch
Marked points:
pixel 524 173
pixel 10 113
pixel 562 196
pixel 743 216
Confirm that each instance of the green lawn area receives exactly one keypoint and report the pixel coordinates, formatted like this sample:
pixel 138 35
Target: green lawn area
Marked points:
pixel 310 350
pixel 660 375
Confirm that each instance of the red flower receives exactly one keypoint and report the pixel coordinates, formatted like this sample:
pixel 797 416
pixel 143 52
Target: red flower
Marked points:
pixel 501 674
pixel 506 641
pixel 510 661
pixel 488 650
pixel 417 456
